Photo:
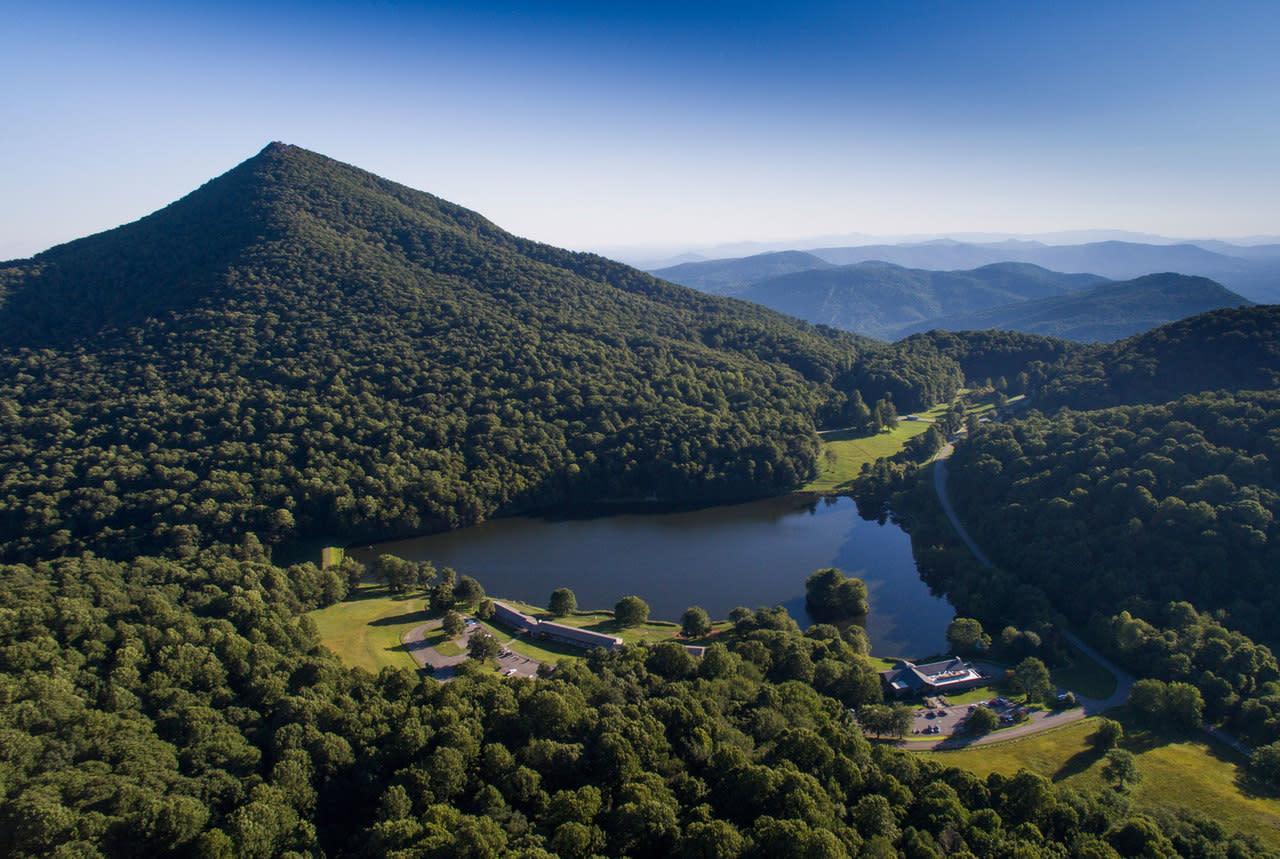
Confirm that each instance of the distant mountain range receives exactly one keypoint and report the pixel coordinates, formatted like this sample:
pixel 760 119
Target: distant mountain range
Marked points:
pixel 1106 312
pixel 888 301
pixel 881 300
pixel 1253 271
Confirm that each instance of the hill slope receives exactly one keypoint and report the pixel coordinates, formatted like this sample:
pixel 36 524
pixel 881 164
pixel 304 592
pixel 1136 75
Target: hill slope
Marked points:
pixel 1235 349
pixel 879 300
pixel 1107 312
pixel 300 347
pixel 730 276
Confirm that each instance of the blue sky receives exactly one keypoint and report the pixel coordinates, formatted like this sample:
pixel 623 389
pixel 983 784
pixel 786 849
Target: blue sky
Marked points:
pixel 599 125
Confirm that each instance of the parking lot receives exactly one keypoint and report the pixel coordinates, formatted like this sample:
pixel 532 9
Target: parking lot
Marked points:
pixel 942 719
pixel 512 664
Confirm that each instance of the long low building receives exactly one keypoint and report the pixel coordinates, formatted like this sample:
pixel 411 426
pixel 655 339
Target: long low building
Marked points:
pixel 932 678
pixel 552 631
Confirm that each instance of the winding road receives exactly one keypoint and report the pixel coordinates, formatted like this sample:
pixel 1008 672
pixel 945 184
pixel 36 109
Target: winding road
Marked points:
pixel 1088 706
pixel 1040 720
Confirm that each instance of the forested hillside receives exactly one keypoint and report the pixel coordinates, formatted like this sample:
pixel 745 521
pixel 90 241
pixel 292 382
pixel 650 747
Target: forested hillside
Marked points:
pixel 1155 503
pixel 300 347
pixel 1232 349
pixel 874 298
pixel 991 354
pixel 1103 313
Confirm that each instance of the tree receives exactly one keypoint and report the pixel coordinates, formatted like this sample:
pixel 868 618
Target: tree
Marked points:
pixel 1147 698
pixel 1109 734
pixel 695 622
pixel 482 646
pixel 399 574
pixel 1031 678
pixel 563 602
pixel 1122 768
pixel 485 609
pixel 859 414
pixel 353 571
pixel 982 720
pixel 452 624
pixel 966 636
pixel 468 591
pixel 631 611
pixel 670 660
pixel 1183 704
pixel 1264 763
pixel 831 595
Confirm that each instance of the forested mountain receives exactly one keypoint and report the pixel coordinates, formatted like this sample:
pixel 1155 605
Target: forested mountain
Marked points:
pixel 729 276
pixel 1255 275
pixel 1107 312
pixel 300 347
pixel 881 300
pixel 1233 349
pixel 990 354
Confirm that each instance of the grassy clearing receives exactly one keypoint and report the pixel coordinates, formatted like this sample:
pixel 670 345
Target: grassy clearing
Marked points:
pixel 978 693
pixel 364 631
pixel 1179 772
pixel 852 452
pixel 331 556
pixel 448 647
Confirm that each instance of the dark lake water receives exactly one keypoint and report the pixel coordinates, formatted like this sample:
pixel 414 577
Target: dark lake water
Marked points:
pixel 751 554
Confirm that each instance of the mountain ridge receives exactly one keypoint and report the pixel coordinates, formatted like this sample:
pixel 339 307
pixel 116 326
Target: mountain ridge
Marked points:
pixel 1103 313
pixel 309 348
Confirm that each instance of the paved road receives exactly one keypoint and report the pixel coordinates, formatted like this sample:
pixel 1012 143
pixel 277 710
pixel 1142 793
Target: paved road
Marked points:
pixel 1089 706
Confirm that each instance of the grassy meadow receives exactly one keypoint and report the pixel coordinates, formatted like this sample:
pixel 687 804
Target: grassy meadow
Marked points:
pixel 364 630
pixel 852 451
pixel 1179 771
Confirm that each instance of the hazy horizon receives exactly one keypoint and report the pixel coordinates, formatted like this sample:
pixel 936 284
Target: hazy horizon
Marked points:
pixel 664 126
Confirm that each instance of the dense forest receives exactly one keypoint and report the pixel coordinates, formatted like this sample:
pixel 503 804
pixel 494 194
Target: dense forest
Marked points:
pixel 183 707
pixel 1237 349
pixel 1150 503
pixel 1153 527
pixel 301 348
pixel 991 354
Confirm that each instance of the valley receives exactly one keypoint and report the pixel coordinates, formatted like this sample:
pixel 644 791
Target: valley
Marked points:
pixel 301 349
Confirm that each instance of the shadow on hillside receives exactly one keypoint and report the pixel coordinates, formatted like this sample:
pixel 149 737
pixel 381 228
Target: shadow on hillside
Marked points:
pixel 1078 763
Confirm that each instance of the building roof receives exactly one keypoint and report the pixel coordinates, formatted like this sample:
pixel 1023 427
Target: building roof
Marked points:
pixel 937 674
pixel 561 631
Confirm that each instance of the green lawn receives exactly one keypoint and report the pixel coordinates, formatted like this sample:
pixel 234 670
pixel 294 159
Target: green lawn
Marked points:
pixel 978 693
pixel 852 452
pixel 1179 771
pixel 364 631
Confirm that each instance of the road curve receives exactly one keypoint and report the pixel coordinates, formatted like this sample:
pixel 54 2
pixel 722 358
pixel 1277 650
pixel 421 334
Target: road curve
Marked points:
pixel 1088 706
pixel 1039 721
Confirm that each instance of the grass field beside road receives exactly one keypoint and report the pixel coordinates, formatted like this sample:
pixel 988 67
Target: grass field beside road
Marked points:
pixel 364 630
pixel 852 452
pixel 1179 772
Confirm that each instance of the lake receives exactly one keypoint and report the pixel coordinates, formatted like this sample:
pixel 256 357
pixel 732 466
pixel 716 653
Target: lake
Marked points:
pixel 753 554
